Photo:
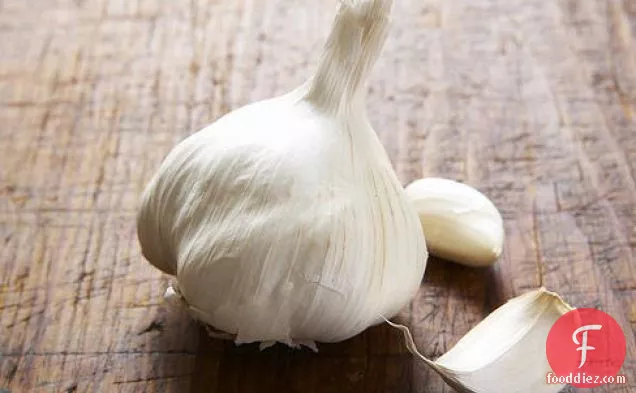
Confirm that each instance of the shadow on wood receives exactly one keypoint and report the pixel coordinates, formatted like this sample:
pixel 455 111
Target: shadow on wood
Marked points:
pixel 349 366
pixel 374 361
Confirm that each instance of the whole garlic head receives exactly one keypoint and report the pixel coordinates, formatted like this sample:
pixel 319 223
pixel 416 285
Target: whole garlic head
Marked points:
pixel 460 223
pixel 284 220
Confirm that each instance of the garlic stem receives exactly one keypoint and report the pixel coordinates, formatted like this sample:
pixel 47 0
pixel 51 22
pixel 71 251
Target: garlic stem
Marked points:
pixel 357 36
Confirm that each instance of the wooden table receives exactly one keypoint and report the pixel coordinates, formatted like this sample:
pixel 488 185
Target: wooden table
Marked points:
pixel 532 102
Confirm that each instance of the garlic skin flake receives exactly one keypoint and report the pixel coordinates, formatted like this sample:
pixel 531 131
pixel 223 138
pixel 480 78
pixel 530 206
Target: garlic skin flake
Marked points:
pixel 460 223
pixel 284 221
pixel 506 351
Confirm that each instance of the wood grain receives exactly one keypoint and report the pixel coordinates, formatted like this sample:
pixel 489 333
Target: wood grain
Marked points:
pixel 532 102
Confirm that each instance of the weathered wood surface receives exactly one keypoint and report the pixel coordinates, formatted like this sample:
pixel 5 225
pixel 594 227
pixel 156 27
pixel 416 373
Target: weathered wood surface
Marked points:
pixel 533 102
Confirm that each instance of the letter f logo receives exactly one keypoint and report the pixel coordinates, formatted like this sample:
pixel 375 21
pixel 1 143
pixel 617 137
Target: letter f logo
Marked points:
pixel 584 347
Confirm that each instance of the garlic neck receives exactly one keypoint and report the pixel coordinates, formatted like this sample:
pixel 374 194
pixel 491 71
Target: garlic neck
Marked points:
pixel 355 41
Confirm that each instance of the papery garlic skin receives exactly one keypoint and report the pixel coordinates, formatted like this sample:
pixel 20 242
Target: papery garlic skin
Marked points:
pixel 505 352
pixel 284 220
pixel 460 223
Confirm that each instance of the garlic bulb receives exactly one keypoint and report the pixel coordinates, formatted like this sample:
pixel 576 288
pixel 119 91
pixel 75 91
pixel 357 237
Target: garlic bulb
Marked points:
pixel 284 221
pixel 460 223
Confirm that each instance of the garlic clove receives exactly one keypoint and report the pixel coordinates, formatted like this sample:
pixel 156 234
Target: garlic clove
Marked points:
pixel 460 223
pixel 506 351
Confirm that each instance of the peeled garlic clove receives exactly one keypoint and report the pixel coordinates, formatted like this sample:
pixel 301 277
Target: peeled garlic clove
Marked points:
pixel 460 223
pixel 506 351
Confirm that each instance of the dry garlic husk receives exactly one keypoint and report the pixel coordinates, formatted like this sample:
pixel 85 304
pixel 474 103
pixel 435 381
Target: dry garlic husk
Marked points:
pixel 460 223
pixel 284 221
pixel 506 351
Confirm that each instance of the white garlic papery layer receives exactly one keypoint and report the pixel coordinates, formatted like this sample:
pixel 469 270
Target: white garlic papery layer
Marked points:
pixel 460 223
pixel 284 220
